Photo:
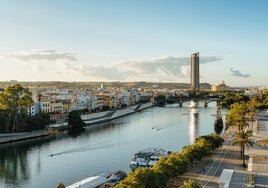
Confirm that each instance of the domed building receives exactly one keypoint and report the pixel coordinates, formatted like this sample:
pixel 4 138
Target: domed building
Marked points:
pixel 219 87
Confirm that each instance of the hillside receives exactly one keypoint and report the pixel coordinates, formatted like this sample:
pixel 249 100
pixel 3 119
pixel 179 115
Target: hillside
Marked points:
pixel 127 85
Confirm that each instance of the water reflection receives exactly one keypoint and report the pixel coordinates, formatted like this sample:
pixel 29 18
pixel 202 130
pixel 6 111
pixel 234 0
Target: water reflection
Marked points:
pixel 100 147
pixel 193 104
pixel 194 121
pixel 76 132
pixel 14 162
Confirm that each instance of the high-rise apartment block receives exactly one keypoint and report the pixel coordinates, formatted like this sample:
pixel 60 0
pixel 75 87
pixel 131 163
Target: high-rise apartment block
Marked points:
pixel 194 79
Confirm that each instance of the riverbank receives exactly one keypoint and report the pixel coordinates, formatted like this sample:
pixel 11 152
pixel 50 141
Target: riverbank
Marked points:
pixel 23 136
pixel 208 171
pixel 111 115
pixel 13 137
pixel 106 116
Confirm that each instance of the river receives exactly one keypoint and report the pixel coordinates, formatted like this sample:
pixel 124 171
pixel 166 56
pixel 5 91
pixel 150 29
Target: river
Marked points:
pixel 69 157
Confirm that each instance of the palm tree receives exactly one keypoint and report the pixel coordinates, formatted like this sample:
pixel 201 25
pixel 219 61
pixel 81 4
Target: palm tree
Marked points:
pixel 191 183
pixel 251 110
pixel 242 139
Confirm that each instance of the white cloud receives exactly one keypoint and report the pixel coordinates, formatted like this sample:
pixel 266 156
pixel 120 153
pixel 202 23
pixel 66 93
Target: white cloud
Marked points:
pixel 55 64
pixel 164 69
pixel 42 55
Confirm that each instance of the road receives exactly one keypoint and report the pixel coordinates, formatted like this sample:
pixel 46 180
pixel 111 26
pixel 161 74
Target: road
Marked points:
pixel 209 170
pixel 214 167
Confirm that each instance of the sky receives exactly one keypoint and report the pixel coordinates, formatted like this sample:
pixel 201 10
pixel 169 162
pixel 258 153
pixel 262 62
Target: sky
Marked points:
pixel 132 41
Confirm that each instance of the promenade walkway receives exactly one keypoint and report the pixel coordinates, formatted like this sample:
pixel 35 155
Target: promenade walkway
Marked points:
pixel 208 171
pixel 22 136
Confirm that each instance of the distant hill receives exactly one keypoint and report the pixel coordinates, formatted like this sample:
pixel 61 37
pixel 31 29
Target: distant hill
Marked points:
pixel 127 85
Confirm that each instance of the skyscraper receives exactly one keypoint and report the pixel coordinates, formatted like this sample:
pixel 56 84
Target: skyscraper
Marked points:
pixel 194 80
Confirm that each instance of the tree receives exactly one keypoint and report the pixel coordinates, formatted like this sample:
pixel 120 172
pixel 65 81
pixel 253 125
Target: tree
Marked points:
pixel 74 120
pixel 242 139
pixel 160 97
pixel 39 99
pixel 251 108
pixel 15 100
pixel 236 115
pixel 4 121
pixel 193 153
pixel 230 98
pixel 37 122
pixel 172 165
pixel 191 183
pixel 142 178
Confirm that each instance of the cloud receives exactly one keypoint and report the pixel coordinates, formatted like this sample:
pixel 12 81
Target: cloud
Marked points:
pixel 42 55
pixel 97 72
pixel 61 65
pixel 163 68
pixel 237 73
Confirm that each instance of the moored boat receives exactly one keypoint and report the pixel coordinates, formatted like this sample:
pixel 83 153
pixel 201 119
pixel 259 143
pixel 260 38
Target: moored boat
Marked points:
pixel 52 131
pixel 102 180
pixel 218 124
pixel 218 120
pixel 147 157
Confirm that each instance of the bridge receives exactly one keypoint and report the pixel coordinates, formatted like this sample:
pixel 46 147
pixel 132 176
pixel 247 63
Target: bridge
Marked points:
pixel 181 100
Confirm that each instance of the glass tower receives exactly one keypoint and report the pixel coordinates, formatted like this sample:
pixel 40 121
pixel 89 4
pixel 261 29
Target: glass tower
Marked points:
pixel 194 79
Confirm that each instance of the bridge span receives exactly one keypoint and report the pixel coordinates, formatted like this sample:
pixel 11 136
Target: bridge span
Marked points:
pixel 180 101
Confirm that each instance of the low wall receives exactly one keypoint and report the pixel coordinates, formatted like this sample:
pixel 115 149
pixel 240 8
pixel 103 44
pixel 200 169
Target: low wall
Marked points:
pixel 145 105
pixel 122 112
pixel 23 136
pixel 11 134
pixel 94 115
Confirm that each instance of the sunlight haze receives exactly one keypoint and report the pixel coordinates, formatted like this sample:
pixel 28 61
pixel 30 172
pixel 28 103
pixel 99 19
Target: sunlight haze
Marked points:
pixel 142 40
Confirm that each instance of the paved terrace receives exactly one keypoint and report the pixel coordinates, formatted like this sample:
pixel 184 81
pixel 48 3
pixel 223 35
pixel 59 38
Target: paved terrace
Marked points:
pixel 208 172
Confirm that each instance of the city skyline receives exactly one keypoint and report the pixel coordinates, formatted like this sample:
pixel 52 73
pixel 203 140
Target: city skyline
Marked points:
pixel 134 41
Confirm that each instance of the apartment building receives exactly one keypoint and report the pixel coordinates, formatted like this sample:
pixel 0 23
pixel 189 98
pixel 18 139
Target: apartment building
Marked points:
pixel 56 107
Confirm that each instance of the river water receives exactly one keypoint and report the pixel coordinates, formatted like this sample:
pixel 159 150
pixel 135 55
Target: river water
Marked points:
pixel 70 157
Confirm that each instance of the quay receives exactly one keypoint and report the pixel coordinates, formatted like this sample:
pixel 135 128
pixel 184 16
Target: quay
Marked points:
pixel 12 137
pixel 106 116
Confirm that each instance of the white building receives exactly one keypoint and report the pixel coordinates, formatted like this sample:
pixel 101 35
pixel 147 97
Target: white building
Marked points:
pixel 45 106
pixel 56 107
pixel 219 87
pixel 251 92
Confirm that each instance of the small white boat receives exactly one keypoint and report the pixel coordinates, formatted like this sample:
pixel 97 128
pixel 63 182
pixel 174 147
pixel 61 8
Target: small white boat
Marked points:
pixel 147 157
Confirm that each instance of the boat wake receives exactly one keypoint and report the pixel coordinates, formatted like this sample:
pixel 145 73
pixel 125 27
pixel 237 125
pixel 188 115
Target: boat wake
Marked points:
pixel 97 147
pixel 83 149
pixel 157 128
